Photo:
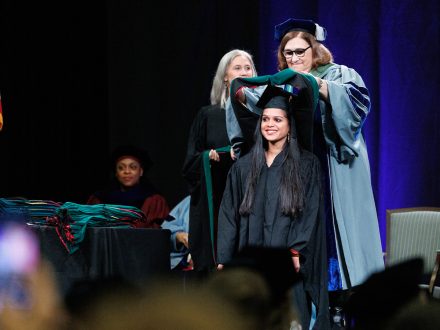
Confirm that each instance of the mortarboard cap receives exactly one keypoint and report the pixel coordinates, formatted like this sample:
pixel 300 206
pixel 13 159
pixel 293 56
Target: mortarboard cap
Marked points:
pixel 274 97
pixel 305 25
pixel 139 154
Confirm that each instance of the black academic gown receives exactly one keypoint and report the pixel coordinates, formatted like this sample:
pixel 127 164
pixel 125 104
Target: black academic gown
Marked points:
pixel 206 181
pixel 266 226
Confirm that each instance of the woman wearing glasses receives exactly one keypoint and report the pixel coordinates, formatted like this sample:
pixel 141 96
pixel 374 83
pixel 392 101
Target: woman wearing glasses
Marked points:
pixel 354 248
pixel 353 240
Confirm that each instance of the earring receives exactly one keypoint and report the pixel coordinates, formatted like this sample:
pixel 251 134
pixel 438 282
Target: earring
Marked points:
pixel 288 137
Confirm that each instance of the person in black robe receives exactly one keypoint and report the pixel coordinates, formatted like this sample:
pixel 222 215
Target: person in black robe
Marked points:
pixel 208 160
pixel 273 198
pixel 131 187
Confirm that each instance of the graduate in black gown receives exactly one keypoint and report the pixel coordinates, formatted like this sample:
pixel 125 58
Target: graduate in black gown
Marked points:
pixel 208 160
pixel 273 198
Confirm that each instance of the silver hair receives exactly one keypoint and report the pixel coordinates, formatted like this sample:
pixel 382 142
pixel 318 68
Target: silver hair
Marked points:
pixel 219 91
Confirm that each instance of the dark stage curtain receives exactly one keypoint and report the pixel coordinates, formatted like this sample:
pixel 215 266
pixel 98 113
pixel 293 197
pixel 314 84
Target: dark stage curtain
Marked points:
pixel 79 78
pixel 53 85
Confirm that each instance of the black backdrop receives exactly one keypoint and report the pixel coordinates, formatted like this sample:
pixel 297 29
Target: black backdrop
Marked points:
pixel 79 78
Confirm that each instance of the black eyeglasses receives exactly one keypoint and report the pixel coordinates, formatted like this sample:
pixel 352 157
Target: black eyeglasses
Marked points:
pixel 299 52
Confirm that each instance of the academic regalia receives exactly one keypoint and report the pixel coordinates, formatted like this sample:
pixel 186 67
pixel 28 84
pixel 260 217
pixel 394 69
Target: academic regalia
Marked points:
pixel 266 226
pixel 351 210
pixel 354 246
pixel 143 196
pixel 180 213
pixel 242 119
pixel 206 180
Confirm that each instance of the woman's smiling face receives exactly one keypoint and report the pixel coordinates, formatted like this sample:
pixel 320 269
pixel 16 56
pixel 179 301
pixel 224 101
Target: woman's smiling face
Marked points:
pixel 274 125
pixel 302 63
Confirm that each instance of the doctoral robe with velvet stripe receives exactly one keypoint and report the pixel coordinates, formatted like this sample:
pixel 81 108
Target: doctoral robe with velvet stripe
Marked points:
pixel 345 160
pixel 206 181
pixel 354 245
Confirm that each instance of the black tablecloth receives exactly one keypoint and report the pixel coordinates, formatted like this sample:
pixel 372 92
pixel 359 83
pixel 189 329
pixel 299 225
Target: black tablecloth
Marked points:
pixel 132 254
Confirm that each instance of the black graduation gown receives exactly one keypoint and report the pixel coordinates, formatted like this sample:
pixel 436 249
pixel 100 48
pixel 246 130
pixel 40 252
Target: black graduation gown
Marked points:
pixel 267 226
pixel 206 183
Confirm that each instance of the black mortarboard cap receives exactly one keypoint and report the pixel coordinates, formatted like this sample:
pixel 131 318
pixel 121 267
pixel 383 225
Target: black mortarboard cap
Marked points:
pixel 130 150
pixel 306 25
pixel 274 97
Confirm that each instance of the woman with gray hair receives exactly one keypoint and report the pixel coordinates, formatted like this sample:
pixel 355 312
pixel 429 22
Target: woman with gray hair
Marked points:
pixel 209 158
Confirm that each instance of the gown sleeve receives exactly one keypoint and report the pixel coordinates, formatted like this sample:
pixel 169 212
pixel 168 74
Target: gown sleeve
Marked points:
pixel 312 245
pixel 192 167
pixel 305 230
pixel 180 223
pixel 238 138
pixel 93 200
pixel 156 209
pixel 233 129
pixel 345 113
pixel 228 218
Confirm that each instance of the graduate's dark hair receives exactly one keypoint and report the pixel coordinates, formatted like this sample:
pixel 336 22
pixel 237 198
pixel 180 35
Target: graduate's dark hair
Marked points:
pixel 291 190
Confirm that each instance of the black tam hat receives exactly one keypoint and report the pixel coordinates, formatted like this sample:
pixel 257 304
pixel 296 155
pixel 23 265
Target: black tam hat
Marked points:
pixel 305 25
pixel 139 154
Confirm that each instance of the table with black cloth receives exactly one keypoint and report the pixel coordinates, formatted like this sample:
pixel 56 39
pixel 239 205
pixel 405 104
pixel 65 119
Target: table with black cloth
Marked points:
pixel 133 254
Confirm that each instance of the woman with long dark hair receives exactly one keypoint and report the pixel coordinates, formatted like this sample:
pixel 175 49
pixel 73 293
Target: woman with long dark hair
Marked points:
pixel 273 198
